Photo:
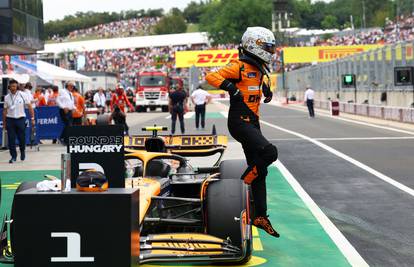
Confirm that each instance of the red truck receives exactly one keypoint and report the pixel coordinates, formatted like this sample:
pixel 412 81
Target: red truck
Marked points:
pixel 152 91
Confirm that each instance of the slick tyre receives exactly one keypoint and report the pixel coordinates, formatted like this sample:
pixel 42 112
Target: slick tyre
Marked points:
pixel 226 199
pixel 232 169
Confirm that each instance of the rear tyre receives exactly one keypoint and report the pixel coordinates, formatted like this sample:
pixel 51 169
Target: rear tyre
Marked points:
pixel 232 169
pixel 226 199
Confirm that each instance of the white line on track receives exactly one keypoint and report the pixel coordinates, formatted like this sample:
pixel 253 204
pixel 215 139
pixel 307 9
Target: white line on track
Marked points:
pixel 357 163
pixel 347 120
pixel 361 165
pixel 187 115
pixel 348 138
pixel 337 237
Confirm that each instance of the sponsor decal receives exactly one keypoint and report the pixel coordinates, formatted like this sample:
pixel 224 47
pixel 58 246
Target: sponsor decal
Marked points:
pixel 205 58
pixel 322 53
pixel 73 248
pixel 251 75
pixel 326 54
pixel 198 140
pixel 95 144
pixel 253 88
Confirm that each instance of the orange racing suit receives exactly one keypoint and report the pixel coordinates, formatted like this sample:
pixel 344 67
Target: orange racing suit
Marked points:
pixel 246 75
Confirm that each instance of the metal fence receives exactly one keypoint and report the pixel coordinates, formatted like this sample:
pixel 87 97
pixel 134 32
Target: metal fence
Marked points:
pixel 374 71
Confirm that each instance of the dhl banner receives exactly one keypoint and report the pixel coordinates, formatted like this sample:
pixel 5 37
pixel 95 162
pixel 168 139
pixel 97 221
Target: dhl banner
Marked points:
pixel 204 58
pixel 322 53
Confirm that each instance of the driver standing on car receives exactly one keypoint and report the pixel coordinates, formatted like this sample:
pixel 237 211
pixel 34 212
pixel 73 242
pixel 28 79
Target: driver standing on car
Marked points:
pixel 243 79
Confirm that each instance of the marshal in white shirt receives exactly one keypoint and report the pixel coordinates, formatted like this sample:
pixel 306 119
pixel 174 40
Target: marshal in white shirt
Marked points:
pixel 65 100
pixel 16 104
pixel 309 94
pixel 200 97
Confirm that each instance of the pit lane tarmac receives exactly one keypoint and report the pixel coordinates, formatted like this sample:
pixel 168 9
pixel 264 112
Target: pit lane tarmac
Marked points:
pixel 331 199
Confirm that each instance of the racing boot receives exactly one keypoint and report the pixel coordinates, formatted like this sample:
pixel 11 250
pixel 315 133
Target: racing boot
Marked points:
pixel 263 222
pixel 250 174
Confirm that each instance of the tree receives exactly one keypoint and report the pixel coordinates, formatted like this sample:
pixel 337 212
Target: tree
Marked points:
pixel 226 21
pixel 171 24
pixel 193 11
pixel 329 22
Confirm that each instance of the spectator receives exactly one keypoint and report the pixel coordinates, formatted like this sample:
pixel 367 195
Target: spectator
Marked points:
pixel 48 93
pixel 66 105
pixel 14 120
pixel 120 99
pixel 39 99
pixel 89 99
pixel 78 112
pixel 99 100
pixel 115 29
pixel 130 95
pixel 177 104
pixel 119 118
pixel 108 95
pixel 200 99
pixel 51 101
pixel 27 90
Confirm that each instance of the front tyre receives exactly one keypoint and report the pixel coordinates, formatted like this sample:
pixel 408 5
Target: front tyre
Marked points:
pixel 226 200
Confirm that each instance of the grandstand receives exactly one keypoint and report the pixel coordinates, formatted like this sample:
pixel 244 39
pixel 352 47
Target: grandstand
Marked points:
pixel 128 55
pixel 123 28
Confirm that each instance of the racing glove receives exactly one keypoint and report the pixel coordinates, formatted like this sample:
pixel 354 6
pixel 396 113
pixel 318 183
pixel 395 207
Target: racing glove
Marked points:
pixel 234 92
pixel 267 93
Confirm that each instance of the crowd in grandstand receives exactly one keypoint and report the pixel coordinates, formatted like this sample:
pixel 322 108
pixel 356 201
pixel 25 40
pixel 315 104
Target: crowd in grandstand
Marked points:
pixel 394 31
pixel 128 62
pixel 123 28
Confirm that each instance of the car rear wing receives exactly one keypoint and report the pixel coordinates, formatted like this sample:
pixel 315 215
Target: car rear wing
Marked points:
pixel 183 145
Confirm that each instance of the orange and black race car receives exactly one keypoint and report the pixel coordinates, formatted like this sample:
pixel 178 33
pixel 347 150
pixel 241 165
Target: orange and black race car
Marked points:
pixel 187 213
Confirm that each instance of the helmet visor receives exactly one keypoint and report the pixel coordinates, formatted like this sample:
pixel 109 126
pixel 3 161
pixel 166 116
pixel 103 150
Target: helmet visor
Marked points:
pixel 269 47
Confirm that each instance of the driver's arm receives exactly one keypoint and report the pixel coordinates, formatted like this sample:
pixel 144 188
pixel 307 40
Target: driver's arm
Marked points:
pixel 222 77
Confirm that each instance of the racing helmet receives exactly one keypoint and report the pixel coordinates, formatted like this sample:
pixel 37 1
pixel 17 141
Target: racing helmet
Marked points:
pixel 259 42
pixel 92 181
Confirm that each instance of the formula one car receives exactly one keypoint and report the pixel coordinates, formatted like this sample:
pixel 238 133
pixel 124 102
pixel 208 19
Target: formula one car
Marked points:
pixel 186 214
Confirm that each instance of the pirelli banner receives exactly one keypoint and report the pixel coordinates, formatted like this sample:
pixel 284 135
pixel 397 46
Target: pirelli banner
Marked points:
pixel 204 58
pixel 322 53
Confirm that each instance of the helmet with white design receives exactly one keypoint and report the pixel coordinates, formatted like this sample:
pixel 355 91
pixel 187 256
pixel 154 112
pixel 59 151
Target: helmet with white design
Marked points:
pixel 259 42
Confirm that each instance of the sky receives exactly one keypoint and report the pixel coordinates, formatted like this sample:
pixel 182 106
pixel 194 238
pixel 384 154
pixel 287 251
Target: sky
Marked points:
pixel 57 9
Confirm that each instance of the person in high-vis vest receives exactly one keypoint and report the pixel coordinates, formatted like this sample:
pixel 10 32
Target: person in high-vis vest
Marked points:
pixel 246 80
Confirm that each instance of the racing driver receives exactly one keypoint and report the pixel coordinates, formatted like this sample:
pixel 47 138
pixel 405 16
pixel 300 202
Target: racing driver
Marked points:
pixel 120 99
pixel 245 81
